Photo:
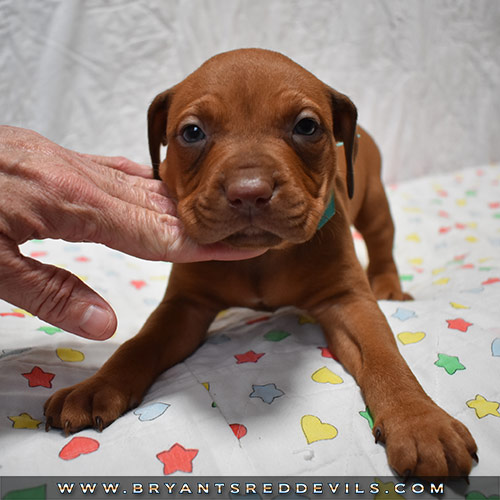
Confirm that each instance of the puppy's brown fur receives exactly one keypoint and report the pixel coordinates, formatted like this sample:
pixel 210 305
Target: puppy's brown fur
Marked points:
pixel 253 161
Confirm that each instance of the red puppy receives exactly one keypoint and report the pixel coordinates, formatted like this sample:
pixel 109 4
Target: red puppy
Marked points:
pixel 263 154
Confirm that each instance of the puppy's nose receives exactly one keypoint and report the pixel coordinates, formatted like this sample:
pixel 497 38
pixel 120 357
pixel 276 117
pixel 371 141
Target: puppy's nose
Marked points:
pixel 249 192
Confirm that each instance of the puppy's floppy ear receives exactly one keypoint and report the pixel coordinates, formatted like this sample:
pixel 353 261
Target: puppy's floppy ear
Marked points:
pixel 345 116
pixel 157 128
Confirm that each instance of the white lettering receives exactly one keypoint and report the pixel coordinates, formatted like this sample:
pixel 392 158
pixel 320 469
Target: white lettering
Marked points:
pixel 437 490
pixel 185 489
pixel 333 489
pixel 86 488
pixel 417 488
pixel 170 487
pixel 250 488
pixel 399 488
pixel 300 488
pixel 219 487
pixel 203 488
pixel 110 488
pixel 65 487
pixel 267 488
pixel 358 491
pixel 283 488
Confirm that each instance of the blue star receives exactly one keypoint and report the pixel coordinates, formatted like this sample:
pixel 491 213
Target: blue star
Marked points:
pixel 404 314
pixel 473 290
pixel 267 392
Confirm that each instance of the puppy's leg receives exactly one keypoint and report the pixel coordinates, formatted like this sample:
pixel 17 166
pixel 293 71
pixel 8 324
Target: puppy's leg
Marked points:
pixel 375 224
pixel 421 439
pixel 172 332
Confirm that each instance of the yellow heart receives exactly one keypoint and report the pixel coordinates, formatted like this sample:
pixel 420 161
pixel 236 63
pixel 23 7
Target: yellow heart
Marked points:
pixel 315 430
pixel 410 337
pixel 417 261
pixel 66 354
pixel 413 237
pixel 441 281
pixel 326 376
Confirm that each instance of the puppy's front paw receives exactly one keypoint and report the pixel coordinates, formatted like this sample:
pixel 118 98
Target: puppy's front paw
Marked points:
pixel 426 443
pixel 92 403
pixel 386 286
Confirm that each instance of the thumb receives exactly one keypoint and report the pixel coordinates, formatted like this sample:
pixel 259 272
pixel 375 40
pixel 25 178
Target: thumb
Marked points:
pixel 53 294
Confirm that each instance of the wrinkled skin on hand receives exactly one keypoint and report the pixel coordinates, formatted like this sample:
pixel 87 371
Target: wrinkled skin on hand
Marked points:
pixel 47 191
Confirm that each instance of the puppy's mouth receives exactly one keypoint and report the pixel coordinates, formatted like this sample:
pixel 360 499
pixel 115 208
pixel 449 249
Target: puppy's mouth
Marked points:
pixel 253 237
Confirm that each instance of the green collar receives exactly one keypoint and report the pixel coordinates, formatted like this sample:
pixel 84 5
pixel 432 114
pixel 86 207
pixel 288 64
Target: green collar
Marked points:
pixel 328 213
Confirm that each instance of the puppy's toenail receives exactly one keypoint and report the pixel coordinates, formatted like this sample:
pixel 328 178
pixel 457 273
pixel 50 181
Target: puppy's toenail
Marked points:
pixel 67 428
pixel 407 475
pixel 475 457
pixel 378 435
pixel 48 424
pixel 99 424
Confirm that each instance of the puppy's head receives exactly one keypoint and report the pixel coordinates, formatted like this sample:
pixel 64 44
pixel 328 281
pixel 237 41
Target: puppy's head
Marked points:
pixel 251 151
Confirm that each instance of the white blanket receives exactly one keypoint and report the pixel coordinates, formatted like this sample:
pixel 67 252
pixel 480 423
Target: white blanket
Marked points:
pixel 262 395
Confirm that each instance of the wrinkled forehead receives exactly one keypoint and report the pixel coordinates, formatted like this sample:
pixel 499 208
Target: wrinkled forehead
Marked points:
pixel 248 88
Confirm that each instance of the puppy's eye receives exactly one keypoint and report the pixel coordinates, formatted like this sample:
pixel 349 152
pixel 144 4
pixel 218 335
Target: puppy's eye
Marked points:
pixel 192 133
pixel 306 126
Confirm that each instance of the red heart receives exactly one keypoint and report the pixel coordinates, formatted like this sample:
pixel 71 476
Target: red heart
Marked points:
pixel 138 284
pixel 239 430
pixel 78 446
pixel 38 254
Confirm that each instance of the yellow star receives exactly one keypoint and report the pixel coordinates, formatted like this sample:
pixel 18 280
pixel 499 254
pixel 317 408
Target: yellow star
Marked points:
pixel 458 306
pixel 25 421
pixel 484 407
pixel 305 318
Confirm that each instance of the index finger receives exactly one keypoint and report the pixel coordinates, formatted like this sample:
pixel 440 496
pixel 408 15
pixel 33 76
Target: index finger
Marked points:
pixel 121 163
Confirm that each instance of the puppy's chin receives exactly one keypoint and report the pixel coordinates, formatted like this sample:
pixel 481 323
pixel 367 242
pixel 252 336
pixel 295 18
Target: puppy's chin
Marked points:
pixel 253 237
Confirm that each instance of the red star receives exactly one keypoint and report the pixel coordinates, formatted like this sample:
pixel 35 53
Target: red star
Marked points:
pixel 248 357
pixel 257 320
pixel 326 353
pixel 177 458
pixel 458 324
pixel 37 377
pixel 490 281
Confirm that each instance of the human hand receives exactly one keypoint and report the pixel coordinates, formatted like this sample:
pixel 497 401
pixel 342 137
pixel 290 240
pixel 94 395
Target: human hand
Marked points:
pixel 47 191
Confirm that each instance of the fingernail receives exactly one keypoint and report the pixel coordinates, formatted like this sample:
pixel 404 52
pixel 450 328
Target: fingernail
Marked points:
pixel 95 322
